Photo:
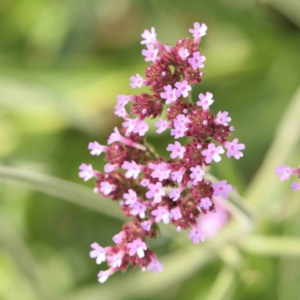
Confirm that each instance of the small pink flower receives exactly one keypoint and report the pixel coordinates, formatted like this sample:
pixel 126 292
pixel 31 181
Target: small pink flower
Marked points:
pixel 130 197
pixel 284 171
pixel 295 186
pixel 197 174
pixel 161 214
pixel 205 100
pixel 160 171
pixel 138 208
pixel 175 213
pixel 148 36
pixel 183 89
pixel 118 238
pixel 212 153
pixel 177 150
pixel 233 149
pixel 114 260
pixel 198 31
pixel 146 225
pixel 98 252
pixel 106 188
pixel 196 235
pixel 222 189
pixel 151 53
pixel 120 111
pixel 96 148
pixel 197 61
pixel 141 127
pixel 155 266
pixel 162 125
pixel 205 203
pixel 123 99
pixel 145 182
pixel 169 94
pixel 178 175
pixel 183 53
pixel 137 247
pixel 103 275
pixel 109 167
pixel 222 118
pixel 156 191
pixel 86 172
pixel 174 194
pixel 133 169
pixel 136 81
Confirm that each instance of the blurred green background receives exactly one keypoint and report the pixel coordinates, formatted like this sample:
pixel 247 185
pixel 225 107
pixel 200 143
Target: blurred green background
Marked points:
pixel 62 64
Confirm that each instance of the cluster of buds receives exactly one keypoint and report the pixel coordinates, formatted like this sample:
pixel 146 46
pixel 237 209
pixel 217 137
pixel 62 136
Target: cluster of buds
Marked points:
pixel 284 172
pixel 152 189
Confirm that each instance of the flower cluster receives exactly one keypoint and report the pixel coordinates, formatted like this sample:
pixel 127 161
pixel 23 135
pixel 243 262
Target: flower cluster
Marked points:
pixel 151 189
pixel 284 172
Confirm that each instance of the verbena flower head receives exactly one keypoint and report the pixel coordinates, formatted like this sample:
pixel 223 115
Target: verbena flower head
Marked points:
pixel 149 188
pixel 285 172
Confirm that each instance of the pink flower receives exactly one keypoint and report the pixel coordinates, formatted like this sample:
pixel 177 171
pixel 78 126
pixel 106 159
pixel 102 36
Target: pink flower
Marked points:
pixel 183 89
pixel 284 172
pixel 138 208
pixel 177 150
pixel 175 213
pixel 161 171
pixel 151 53
pixel 169 94
pixel 86 172
pixel 137 247
pixel 109 167
pixel 196 235
pixel 106 188
pixel 178 132
pixel 103 275
pixel 212 153
pixel 222 189
pixel 118 238
pixel 197 60
pixel 146 225
pixel 183 53
pixel 205 203
pixel 181 120
pixel 96 148
pixel 178 175
pixel 222 118
pixel 145 182
pixel 180 124
pixel 162 125
pixel 197 174
pixel 295 186
pixel 205 100
pixel 198 31
pixel 233 149
pixel 130 197
pixel 155 266
pixel 174 194
pixel 115 260
pixel 156 191
pixel 136 81
pixel 141 127
pixel 98 252
pixel 123 99
pixel 148 36
pixel 161 214
pixel 133 169
pixel 120 111
pixel 212 223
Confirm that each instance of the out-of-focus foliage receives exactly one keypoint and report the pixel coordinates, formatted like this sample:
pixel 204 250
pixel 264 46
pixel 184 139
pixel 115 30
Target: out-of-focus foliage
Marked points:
pixel 62 64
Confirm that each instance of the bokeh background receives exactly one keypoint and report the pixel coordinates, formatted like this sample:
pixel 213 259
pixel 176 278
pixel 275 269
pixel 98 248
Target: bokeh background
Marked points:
pixel 62 64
